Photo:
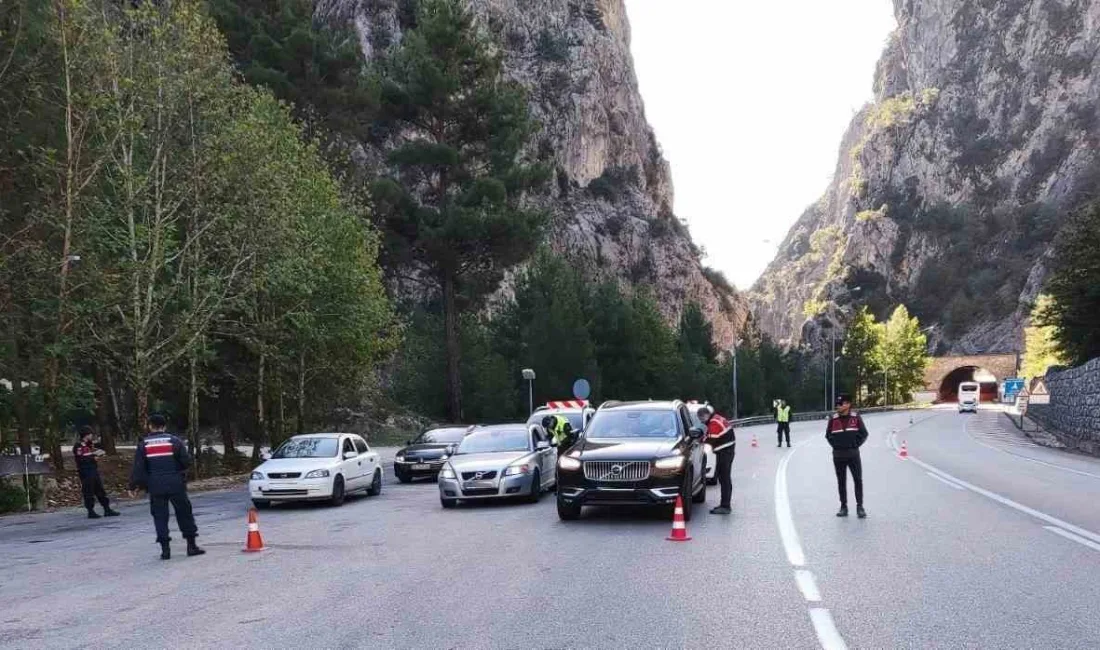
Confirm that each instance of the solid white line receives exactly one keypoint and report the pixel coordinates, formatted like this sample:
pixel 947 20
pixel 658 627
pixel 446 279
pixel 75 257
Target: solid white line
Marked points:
pixel 827 633
pixel 1027 458
pixel 807 585
pixel 943 480
pixel 787 532
pixel 1080 540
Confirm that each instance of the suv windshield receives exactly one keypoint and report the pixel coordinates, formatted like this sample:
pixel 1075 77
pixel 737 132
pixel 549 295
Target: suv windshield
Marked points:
pixel 306 448
pixel 575 418
pixel 482 442
pixel 633 424
pixel 440 436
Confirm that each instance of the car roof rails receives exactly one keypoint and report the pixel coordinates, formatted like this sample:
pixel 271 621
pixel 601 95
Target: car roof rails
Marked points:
pixel 610 402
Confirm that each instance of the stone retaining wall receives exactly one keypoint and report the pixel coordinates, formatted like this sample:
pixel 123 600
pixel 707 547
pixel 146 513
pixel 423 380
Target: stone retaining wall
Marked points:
pixel 1073 413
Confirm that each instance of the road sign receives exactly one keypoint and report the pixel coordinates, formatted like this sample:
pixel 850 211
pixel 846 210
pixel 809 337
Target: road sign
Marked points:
pixel 1012 387
pixel 581 389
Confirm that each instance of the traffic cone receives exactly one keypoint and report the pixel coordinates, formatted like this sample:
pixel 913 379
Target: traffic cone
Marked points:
pixel 679 530
pixel 754 440
pixel 254 543
pixel 904 453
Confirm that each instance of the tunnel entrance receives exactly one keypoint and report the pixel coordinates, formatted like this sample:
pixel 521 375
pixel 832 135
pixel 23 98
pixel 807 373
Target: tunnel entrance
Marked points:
pixel 949 387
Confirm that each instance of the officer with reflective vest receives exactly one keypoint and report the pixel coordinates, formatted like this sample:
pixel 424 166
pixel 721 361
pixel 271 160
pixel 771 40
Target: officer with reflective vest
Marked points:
pixel 722 440
pixel 846 433
pixel 91 484
pixel 560 430
pixel 160 465
pixel 783 418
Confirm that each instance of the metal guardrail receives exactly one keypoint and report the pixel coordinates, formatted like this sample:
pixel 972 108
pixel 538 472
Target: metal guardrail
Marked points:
pixel 818 415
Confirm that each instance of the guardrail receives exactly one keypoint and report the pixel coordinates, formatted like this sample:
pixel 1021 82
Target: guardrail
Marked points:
pixel 818 415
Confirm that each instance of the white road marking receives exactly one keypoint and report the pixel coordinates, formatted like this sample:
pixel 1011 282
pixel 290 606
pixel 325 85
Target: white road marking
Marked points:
pixel 787 532
pixel 1028 458
pixel 943 480
pixel 1076 538
pixel 827 633
pixel 807 585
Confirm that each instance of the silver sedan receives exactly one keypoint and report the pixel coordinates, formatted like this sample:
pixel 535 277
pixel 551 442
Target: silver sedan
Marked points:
pixel 503 460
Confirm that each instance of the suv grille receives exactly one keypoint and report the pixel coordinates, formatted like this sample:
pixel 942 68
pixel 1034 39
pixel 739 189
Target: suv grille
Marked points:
pixel 607 470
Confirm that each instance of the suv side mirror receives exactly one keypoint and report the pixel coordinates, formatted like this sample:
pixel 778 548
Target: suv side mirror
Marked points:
pixel 542 444
pixel 350 454
pixel 696 433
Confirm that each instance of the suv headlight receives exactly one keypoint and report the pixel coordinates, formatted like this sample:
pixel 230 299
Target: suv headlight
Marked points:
pixel 447 472
pixel 400 457
pixel 672 462
pixel 517 469
pixel 256 476
pixel 317 473
pixel 569 463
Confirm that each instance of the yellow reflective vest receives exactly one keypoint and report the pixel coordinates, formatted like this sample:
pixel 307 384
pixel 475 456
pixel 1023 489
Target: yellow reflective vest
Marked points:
pixel 783 414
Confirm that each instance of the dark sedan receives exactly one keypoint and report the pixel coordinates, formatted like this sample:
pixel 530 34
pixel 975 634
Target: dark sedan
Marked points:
pixel 634 453
pixel 424 456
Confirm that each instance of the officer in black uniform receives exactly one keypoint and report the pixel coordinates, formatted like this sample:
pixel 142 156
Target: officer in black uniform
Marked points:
pixel 846 433
pixel 160 465
pixel 91 485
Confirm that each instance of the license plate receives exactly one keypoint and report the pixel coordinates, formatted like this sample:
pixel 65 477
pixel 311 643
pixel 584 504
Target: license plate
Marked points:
pixel 479 484
pixel 422 466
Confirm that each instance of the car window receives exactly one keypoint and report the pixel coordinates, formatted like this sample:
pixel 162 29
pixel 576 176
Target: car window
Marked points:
pixel 492 440
pixel 307 448
pixel 361 445
pixel 634 424
pixel 440 436
pixel 348 446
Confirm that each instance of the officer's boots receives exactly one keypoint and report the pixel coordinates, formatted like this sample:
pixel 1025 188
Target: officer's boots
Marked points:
pixel 193 548
pixel 92 514
pixel 107 512
pixel 165 551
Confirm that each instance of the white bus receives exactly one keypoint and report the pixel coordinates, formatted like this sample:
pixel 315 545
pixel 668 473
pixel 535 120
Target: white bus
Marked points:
pixel 970 395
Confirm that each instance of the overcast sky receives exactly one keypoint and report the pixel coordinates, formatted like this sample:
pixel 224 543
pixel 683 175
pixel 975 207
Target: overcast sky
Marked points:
pixel 749 101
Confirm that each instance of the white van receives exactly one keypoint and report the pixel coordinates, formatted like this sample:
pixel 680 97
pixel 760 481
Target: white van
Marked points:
pixel 970 394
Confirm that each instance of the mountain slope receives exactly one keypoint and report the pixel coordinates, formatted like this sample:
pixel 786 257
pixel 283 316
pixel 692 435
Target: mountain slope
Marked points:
pixel 951 186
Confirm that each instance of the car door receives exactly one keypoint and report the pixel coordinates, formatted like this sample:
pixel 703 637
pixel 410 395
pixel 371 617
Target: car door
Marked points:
pixel 696 446
pixel 369 458
pixel 353 467
pixel 547 458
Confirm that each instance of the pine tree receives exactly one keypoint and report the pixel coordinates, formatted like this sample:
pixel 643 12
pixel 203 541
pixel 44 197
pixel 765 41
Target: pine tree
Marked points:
pixel 1074 287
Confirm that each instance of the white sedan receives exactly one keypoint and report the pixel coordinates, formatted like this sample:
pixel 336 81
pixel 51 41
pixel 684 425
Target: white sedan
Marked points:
pixel 317 467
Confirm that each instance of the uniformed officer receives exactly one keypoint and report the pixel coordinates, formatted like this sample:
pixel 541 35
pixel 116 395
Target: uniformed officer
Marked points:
pixel 783 420
pixel 846 433
pixel 561 431
pixel 723 441
pixel 91 484
pixel 160 465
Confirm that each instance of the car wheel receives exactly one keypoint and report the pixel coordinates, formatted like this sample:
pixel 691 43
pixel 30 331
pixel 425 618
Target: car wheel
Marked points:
pixel 337 491
pixel 376 484
pixel 261 504
pixel 568 511
pixel 701 495
pixel 536 488
pixel 402 476
pixel 448 503
pixel 687 502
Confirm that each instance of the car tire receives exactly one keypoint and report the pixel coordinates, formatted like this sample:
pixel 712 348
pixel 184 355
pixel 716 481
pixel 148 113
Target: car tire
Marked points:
pixel 687 502
pixel 701 495
pixel 568 511
pixel 261 504
pixel 338 494
pixel 376 484
pixel 536 488
pixel 448 503
pixel 403 477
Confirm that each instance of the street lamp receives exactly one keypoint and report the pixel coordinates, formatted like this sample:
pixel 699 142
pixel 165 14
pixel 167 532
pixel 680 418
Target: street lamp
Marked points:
pixel 529 375
pixel 734 353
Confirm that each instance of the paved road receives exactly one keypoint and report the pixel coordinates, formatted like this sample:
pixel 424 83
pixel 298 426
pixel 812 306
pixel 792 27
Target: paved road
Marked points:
pixel 979 540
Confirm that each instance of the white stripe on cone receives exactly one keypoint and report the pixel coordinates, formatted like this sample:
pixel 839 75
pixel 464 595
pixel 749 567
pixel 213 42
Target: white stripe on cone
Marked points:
pixel 678 525
pixel 253 528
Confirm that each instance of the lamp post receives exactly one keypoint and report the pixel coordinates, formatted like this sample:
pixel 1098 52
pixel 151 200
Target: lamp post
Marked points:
pixel 529 375
pixel 734 353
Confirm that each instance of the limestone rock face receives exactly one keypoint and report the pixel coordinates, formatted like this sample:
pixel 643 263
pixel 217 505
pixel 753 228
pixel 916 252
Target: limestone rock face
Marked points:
pixel 612 194
pixel 951 186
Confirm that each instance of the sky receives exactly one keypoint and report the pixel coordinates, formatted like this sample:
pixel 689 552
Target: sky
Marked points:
pixel 749 101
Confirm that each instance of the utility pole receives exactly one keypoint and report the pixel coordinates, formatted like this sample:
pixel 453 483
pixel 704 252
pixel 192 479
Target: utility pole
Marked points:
pixel 886 386
pixel 734 352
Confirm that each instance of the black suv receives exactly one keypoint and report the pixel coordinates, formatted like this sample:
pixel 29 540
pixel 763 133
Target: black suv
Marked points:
pixel 634 453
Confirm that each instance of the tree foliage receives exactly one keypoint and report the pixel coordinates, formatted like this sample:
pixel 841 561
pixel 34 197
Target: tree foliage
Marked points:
pixel 1040 341
pixel 1074 287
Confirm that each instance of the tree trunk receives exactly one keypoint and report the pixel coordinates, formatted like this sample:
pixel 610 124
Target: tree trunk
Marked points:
pixel 454 377
pixel 19 395
pixel 282 412
pixel 103 411
pixel 225 417
pixel 141 408
pixel 302 392
pixel 117 425
pixel 261 416
pixel 193 405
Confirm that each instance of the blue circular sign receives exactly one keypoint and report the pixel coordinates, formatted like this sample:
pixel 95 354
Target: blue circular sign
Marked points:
pixel 581 389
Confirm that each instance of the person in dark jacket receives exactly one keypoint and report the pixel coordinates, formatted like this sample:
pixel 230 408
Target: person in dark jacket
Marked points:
pixel 160 467
pixel 846 433
pixel 723 441
pixel 91 484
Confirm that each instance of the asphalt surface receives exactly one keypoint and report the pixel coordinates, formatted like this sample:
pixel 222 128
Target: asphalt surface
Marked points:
pixel 980 539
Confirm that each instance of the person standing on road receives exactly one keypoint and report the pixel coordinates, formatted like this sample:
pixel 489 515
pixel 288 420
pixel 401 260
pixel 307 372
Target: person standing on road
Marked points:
pixel 91 484
pixel 560 430
pixel 846 433
pixel 722 440
pixel 783 418
pixel 160 465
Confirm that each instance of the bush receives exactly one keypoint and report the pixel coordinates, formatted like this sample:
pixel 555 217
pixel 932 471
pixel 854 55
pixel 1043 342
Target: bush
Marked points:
pixel 871 215
pixel 614 182
pixel 552 47
pixel 718 280
pixel 12 498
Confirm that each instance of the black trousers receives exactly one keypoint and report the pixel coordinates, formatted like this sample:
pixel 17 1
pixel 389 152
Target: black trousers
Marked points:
pixel 784 429
pixel 724 471
pixel 843 464
pixel 91 487
pixel 185 519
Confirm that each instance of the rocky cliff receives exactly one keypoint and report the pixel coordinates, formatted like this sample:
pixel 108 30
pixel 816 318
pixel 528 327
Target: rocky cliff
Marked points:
pixel 952 184
pixel 612 194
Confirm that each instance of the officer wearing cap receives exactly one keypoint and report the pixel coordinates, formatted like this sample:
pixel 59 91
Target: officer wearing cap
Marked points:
pixel 91 484
pixel 160 465
pixel 846 433
pixel 723 441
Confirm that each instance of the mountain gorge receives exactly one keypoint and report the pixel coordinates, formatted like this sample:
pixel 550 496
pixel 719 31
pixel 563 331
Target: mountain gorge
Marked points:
pixel 951 186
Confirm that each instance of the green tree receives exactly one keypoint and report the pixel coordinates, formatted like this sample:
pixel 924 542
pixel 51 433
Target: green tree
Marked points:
pixel 860 343
pixel 451 200
pixel 1040 341
pixel 1074 287
pixel 903 353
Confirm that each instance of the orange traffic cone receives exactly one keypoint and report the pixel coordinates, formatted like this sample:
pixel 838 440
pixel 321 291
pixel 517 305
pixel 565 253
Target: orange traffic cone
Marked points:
pixel 679 530
pixel 754 444
pixel 254 542
pixel 904 453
